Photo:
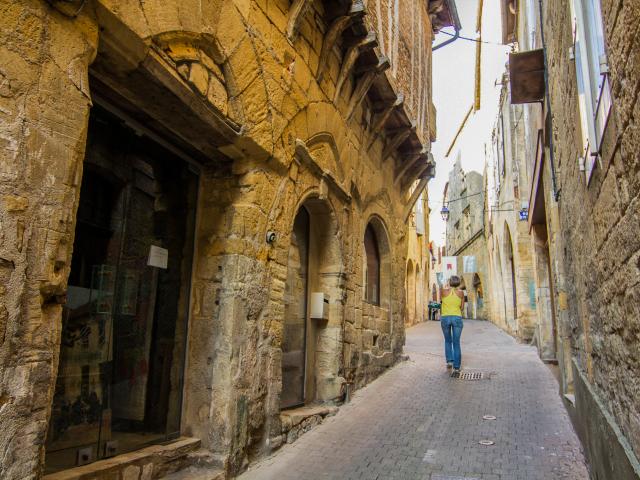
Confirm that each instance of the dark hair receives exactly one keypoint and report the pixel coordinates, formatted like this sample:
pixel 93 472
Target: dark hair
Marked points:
pixel 454 281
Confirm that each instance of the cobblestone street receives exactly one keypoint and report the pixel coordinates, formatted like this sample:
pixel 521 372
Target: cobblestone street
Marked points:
pixel 415 422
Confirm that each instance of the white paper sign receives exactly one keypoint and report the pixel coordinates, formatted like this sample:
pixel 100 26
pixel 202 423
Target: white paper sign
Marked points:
pixel 158 257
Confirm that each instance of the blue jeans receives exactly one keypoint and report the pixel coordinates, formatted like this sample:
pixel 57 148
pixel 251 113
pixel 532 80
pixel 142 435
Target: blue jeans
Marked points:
pixel 452 329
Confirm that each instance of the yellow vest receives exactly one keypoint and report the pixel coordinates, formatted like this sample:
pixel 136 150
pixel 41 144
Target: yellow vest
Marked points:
pixel 451 305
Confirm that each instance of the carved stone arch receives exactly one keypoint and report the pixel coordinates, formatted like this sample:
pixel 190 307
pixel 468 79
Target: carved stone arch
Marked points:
pixel 315 123
pixel 192 74
pixel 323 147
pixel 383 239
pixel 199 61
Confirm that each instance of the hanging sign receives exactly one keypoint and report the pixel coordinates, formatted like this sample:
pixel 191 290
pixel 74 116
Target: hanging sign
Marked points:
pixel 469 264
pixel 449 267
pixel 524 214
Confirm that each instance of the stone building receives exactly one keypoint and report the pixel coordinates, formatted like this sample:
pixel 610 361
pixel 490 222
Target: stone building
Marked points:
pixel 203 220
pixel 512 284
pixel 417 277
pixel 435 272
pixel 464 197
pixel 576 69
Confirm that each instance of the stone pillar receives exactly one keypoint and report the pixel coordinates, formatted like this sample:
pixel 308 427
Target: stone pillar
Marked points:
pixel 44 110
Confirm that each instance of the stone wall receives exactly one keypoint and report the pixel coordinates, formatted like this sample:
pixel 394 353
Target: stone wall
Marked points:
pixel 418 266
pixel 233 85
pixel 465 235
pixel 465 197
pixel 509 244
pixel 589 238
pixel 599 219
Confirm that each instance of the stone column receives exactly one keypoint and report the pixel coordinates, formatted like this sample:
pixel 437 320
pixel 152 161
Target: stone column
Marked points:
pixel 44 110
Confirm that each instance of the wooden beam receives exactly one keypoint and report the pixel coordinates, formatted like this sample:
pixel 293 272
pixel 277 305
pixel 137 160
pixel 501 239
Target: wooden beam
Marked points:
pixel 366 43
pixel 382 112
pixel 382 116
pixel 363 84
pixel 414 198
pixel 409 164
pixel 338 26
pixel 396 138
pixel 296 12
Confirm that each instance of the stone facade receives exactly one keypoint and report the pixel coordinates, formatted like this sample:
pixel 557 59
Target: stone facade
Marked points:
pixel 418 268
pixel 512 283
pixel 583 221
pixel 275 108
pixel 465 198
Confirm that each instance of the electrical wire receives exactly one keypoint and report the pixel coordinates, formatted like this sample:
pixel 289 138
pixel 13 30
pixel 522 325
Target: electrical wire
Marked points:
pixel 460 198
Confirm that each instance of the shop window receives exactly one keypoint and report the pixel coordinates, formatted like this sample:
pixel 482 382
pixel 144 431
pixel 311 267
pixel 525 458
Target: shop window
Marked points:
pixel 372 290
pixel 120 373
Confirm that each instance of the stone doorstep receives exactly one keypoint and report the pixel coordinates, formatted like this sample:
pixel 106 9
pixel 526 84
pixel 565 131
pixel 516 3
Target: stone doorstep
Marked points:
pixel 144 464
pixel 297 421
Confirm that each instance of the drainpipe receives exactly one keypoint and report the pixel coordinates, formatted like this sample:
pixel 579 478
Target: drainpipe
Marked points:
pixel 456 25
pixel 556 192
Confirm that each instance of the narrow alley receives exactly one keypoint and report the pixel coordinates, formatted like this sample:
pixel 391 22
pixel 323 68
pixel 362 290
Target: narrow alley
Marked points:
pixel 230 231
pixel 415 422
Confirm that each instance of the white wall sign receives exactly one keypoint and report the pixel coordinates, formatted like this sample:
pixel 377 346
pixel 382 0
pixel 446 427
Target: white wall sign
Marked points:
pixel 158 257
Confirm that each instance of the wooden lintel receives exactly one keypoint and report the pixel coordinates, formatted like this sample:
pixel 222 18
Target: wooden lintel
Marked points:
pixel 396 138
pixel 364 83
pixel 338 26
pixel 366 43
pixel 296 12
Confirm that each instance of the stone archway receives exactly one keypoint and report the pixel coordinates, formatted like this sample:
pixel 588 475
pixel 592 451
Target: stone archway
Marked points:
pixel 478 308
pixel 419 295
pixel 510 285
pixel 311 345
pixel 410 289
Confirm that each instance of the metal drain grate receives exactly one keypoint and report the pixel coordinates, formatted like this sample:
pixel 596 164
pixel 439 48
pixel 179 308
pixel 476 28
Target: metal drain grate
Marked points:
pixel 469 375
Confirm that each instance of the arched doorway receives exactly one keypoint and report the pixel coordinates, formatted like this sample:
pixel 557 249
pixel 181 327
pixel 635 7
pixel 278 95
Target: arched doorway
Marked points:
pixel 418 295
pixel 315 274
pixel 478 311
pixel 510 279
pixel 547 330
pixel 410 294
pixel 499 286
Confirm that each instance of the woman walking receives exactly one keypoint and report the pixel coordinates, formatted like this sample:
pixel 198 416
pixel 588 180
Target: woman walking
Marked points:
pixel 451 323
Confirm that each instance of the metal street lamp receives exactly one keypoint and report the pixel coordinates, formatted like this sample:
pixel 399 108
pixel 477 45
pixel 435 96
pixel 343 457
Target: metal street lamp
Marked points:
pixel 445 213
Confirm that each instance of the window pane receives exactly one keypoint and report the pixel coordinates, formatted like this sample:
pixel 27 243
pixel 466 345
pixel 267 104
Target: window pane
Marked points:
pixel 372 291
pixel 119 384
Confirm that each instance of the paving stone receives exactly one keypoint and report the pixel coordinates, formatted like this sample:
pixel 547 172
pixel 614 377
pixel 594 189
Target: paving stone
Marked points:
pixel 417 423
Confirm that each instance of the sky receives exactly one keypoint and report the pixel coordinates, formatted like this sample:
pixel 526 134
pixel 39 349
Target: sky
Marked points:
pixel 453 93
